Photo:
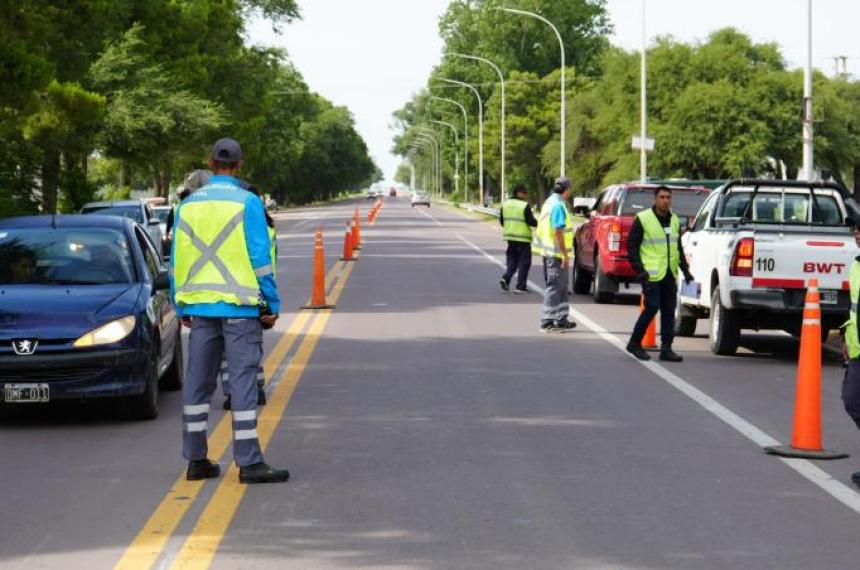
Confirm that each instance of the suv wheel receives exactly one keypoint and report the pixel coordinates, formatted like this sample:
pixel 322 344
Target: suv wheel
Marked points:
pixel 685 323
pixel 581 278
pixel 725 333
pixel 604 287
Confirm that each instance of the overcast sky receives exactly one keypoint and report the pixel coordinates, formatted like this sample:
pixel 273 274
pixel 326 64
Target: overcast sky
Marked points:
pixel 372 55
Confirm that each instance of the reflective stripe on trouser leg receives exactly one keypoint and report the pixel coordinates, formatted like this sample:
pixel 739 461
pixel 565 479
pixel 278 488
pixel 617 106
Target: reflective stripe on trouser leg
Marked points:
pixel 243 346
pixel 225 378
pixel 205 347
pixel 555 300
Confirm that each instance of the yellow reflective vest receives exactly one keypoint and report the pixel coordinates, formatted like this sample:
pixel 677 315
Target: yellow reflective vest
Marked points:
pixel 656 257
pixel 850 326
pixel 515 226
pixel 544 236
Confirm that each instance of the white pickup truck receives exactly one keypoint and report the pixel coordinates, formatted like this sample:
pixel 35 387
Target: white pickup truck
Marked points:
pixel 752 248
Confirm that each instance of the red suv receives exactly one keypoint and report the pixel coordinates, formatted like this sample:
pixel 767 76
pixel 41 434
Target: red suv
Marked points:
pixel 601 242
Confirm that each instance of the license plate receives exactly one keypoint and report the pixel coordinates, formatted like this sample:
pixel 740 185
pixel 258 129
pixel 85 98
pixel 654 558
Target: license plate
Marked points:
pixel 829 297
pixel 26 393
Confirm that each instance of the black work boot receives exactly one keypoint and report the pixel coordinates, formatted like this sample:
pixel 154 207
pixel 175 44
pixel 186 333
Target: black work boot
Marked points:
pixel 637 351
pixel 669 355
pixel 262 473
pixel 855 478
pixel 202 469
pixel 504 284
pixel 261 396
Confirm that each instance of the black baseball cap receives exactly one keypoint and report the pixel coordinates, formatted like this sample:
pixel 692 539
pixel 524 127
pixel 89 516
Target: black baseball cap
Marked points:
pixel 227 150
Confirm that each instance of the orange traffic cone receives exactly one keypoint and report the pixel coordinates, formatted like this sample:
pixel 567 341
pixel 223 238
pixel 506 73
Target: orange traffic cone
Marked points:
pixel 356 242
pixel 318 281
pixel 650 338
pixel 347 244
pixel 806 431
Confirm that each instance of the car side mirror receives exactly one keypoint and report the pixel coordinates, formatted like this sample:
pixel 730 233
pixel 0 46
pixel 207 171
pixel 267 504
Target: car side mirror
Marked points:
pixel 154 221
pixel 162 281
pixel 592 214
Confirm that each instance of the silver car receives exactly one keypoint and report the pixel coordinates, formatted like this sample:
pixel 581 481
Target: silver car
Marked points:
pixel 419 198
pixel 137 210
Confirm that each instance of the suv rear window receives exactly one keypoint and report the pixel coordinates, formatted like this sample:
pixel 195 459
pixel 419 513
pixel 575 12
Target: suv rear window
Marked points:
pixel 685 203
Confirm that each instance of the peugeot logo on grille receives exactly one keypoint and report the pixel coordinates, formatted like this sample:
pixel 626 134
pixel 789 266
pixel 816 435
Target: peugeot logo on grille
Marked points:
pixel 24 347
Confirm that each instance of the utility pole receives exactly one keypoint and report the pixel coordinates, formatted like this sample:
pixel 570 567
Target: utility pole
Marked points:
pixel 807 99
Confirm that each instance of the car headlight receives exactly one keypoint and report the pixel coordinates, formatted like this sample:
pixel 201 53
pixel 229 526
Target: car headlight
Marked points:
pixel 112 332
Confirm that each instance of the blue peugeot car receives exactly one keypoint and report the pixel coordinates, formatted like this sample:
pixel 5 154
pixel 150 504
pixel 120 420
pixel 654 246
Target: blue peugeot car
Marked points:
pixel 85 313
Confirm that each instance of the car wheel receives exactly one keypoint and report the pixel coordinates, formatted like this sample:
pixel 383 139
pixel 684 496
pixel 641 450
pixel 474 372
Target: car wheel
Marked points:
pixel 581 279
pixel 175 373
pixel 685 323
pixel 145 406
pixel 725 332
pixel 604 287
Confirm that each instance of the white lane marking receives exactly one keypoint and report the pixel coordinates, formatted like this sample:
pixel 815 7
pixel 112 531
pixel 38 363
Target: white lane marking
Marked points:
pixel 835 488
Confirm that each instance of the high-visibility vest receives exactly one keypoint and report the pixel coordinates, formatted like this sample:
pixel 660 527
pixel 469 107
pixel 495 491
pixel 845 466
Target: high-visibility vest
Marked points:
pixel 850 326
pixel 516 228
pixel 211 262
pixel 658 256
pixel 544 237
pixel 273 251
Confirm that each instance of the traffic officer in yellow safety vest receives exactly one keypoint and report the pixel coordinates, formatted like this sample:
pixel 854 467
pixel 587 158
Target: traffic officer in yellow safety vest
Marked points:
pixel 517 222
pixel 221 268
pixel 654 247
pixel 554 241
pixel 851 347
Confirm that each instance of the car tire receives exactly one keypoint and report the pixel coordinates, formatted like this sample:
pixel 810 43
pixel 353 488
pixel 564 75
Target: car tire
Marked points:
pixel 175 373
pixel 581 278
pixel 145 406
pixel 604 292
pixel 725 330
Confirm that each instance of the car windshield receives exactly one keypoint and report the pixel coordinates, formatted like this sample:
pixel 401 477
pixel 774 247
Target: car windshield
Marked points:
pixel 685 203
pixel 776 206
pixel 132 211
pixel 64 256
pixel 161 213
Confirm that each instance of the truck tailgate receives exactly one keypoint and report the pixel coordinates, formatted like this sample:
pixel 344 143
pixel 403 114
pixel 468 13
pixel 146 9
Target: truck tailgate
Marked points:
pixel 789 260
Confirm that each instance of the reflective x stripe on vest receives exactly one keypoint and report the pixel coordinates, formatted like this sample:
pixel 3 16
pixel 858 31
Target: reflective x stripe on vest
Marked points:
pixel 658 256
pixel 544 237
pixel 238 280
pixel 851 340
pixel 516 228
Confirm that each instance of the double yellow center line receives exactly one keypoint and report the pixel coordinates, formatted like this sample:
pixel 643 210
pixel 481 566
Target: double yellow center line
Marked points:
pixel 202 543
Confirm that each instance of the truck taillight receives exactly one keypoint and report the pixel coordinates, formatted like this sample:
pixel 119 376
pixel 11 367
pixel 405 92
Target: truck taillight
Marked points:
pixel 742 260
pixel 614 237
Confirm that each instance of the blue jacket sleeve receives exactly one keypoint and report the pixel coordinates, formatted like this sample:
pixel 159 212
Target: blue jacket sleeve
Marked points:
pixel 257 238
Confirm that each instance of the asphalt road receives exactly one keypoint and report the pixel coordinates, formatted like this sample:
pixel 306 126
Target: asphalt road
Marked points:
pixel 428 425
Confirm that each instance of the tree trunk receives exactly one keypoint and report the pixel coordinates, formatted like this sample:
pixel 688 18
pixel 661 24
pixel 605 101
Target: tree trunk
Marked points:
pixel 50 181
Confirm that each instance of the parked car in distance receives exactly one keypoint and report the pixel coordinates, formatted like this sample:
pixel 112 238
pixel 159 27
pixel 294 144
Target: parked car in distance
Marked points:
pixel 372 194
pixel 419 199
pixel 600 244
pixel 393 192
pixel 752 249
pixel 137 210
pixel 85 314
pixel 162 213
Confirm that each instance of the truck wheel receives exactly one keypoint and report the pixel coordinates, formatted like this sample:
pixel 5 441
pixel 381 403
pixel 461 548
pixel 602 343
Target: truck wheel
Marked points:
pixel 604 287
pixel 725 333
pixel 685 320
pixel 581 279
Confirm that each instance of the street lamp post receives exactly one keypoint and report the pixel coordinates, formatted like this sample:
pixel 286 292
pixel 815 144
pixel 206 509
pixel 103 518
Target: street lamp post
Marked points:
pixel 422 144
pixel 465 139
pixel 504 192
pixel 480 132
pixel 643 154
pixel 563 82
pixel 456 151
pixel 433 135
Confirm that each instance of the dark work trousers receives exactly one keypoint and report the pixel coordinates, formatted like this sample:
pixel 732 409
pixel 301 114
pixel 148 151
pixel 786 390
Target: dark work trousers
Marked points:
pixel 660 296
pixel 519 262
pixel 851 391
pixel 241 341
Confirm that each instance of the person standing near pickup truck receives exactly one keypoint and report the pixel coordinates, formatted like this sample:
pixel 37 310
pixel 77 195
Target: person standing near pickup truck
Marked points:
pixel 654 246
pixel 517 220
pixel 851 348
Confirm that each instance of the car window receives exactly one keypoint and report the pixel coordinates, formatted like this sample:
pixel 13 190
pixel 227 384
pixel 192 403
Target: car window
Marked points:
pixel 685 203
pixel 702 219
pixel 132 211
pixel 784 207
pixel 610 202
pixel 153 265
pixel 162 213
pixel 64 256
pixel 599 203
